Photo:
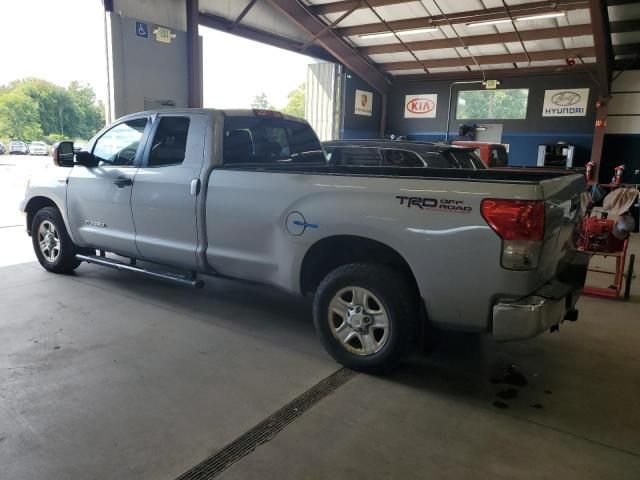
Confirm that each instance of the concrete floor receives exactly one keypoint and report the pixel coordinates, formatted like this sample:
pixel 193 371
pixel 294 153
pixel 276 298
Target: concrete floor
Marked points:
pixel 104 375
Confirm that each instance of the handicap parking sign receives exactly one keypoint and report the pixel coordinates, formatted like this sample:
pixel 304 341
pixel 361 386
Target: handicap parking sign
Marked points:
pixel 142 30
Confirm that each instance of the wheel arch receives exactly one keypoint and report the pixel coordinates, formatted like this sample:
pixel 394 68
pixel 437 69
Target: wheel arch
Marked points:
pixel 332 252
pixel 37 203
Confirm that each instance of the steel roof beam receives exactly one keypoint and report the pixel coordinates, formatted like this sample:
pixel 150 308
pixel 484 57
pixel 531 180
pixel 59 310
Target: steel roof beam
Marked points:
pixel 602 42
pixel 625 26
pixel 243 14
pixel 495 13
pixel 223 24
pixel 347 55
pixel 626 49
pixel 490 39
pixel 489 59
pixel 492 73
pixel 342 6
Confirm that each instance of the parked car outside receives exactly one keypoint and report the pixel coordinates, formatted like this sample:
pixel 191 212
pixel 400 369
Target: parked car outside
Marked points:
pixel 492 154
pixel 394 153
pixel 1 148
pixel 38 148
pixel 18 147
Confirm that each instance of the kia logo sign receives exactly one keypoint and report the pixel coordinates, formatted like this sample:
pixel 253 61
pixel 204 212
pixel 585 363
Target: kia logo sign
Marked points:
pixel 565 99
pixel 420 105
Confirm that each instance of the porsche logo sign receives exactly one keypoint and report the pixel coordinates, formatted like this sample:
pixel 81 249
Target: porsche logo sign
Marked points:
pixel 420 106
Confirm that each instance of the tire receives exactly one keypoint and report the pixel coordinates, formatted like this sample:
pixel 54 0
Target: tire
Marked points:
pixel 59 253
pixel 354 334
pixel 627 283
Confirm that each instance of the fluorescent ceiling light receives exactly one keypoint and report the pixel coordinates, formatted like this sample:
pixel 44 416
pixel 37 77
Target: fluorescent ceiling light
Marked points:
pixel 412 31
pixel 518 19
pixel 489 22
pixel 541 15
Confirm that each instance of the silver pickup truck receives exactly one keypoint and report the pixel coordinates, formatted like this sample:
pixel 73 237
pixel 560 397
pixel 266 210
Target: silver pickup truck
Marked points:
pixel 386 251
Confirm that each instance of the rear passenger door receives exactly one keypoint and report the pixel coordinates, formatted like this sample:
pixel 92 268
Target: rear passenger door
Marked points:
pixel 166 190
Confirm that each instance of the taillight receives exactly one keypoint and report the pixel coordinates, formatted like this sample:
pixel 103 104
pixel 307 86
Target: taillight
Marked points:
pixel 515 219
pixel 520 225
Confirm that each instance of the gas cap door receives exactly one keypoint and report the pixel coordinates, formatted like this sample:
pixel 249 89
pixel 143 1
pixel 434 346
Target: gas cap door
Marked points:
pixel 296 224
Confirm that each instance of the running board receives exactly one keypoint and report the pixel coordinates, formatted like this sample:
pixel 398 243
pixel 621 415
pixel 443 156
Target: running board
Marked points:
pixel 115 264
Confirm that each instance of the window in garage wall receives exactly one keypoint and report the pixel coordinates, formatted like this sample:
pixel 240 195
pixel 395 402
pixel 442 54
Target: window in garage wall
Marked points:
pixel 492 104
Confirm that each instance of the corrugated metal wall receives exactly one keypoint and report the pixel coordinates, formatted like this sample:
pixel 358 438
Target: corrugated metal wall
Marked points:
pixel 622 138
pixel 624 107
pixel 322 95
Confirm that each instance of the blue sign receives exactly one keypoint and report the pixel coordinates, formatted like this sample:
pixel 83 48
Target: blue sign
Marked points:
pixel 142 30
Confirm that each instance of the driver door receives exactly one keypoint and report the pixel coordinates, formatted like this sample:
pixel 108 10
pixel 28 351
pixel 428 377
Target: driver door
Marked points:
pixel 99 198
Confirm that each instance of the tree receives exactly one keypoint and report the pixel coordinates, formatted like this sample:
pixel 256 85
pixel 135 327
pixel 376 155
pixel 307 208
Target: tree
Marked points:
pixel 492 104
pixel 91 111
pixel 261 101
pixel 295 102
pixel 19 116
pixel 62 113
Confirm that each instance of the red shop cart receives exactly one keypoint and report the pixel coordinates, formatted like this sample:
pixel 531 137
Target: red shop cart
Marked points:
pixel 597 239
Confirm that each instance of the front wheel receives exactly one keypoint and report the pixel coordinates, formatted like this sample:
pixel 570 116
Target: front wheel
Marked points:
pixel 366 316
pixel 53 247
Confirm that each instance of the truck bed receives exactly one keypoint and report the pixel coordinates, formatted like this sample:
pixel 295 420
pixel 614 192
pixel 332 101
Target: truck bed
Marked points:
pixel 503 175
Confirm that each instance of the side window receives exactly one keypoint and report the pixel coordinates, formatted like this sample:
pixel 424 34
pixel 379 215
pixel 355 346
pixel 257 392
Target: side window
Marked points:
pixel 436 160
pixel 270 140
pixel 118 146
pixel 499 157
pixel 169 142
pixel 359 156
pixel 401 158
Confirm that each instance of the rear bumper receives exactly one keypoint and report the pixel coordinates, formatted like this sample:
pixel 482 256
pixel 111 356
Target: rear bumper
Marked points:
pixel 549 306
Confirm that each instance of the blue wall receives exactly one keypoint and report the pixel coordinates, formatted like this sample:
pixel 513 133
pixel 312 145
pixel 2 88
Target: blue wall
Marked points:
pixel 523 136
pixel 359 126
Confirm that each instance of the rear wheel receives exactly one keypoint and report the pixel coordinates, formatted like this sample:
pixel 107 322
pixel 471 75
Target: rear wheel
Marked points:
pixel 51 242
pixel 366 316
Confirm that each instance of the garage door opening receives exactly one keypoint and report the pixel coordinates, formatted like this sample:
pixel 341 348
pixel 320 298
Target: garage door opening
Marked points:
pixel 242 73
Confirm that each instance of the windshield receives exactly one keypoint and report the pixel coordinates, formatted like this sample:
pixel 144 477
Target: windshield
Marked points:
pixel 270 140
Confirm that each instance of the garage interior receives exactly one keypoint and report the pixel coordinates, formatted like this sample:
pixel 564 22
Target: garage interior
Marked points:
pixel 108 375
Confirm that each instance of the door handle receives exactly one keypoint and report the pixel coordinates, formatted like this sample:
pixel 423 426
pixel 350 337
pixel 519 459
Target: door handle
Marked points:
pixel 122 182
pixel 195 187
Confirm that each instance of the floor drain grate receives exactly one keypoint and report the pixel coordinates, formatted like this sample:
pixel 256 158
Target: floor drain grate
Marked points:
pixel 267 429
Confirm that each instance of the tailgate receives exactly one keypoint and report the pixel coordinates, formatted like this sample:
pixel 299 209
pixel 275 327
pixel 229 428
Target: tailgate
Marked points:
pixel 563 197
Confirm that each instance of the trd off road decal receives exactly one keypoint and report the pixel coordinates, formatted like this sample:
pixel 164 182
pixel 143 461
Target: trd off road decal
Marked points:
pixel 423 203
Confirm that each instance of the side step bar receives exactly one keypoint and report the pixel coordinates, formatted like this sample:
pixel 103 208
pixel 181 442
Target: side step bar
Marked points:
pixel 115 264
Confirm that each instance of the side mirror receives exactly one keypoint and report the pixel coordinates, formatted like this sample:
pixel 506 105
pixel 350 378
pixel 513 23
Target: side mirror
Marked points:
pixel 87 159
pixel 63 154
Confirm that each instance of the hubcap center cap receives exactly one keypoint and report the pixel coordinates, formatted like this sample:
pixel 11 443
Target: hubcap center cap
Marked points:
pixel 357 318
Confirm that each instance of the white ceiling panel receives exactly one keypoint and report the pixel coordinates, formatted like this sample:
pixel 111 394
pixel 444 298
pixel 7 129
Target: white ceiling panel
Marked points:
pixel 453 6
pixel 262 17
pixel 448 69
pixel 626 37
pixel 392 57
pixel 435 54
pixel 624 12
pixel 494 66
pixel 405 72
